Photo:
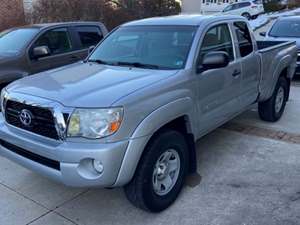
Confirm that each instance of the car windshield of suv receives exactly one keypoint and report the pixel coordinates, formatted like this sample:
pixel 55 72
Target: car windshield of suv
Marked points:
pixel 232 7
pixel 286 28
pixel 152 47
pixel 13 41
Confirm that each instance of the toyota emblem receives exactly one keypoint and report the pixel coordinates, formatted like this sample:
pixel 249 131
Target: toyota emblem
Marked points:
pixel 25 117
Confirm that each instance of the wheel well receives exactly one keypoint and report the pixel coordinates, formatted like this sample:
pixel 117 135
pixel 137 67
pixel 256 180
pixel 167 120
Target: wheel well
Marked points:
pixel 182 125
pixel 284 74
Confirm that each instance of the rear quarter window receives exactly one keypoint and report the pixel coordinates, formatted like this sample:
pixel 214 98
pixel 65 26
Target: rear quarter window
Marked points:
pixel 244 38
pixel 89 35
pixel 244 4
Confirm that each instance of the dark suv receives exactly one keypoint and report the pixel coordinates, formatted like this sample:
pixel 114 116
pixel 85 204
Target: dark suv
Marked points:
pixel 36 48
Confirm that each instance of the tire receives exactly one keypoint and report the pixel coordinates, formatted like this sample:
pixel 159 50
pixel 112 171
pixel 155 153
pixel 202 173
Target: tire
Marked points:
pixel 247 16
pixel 271 110
pixel 141 190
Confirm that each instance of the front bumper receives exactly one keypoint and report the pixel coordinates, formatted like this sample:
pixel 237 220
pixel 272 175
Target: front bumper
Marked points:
pixel 71 162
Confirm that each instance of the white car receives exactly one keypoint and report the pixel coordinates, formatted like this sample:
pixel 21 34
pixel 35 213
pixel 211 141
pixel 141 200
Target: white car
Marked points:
pixel 249 9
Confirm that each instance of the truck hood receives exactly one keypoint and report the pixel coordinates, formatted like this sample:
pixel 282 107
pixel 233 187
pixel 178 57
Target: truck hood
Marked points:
pixel 88 84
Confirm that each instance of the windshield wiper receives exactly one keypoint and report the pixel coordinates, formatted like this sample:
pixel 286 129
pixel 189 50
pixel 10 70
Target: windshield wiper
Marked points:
pixel 99 61
pixel 138 65
pixel 131 64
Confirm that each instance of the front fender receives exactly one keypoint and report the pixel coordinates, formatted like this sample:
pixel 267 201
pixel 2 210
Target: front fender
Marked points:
pixel 164 115
pixel 143 133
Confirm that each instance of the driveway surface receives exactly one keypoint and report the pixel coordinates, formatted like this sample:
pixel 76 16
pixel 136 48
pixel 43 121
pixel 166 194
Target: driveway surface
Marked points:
pixel 249 170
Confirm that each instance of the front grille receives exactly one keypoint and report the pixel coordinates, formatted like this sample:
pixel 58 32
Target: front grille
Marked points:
pixel 31 156
pixel 42 119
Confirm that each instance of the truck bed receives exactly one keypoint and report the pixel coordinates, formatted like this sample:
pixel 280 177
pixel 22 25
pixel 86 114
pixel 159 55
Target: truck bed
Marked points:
pixel 273 56
pixel 263 45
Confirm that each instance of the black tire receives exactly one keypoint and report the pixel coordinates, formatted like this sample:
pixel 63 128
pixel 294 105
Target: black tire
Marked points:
pixel 247 16
pixel 140 191
pixel 267 110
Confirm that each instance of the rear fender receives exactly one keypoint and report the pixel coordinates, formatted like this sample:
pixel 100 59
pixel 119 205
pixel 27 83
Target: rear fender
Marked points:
pixel 269 84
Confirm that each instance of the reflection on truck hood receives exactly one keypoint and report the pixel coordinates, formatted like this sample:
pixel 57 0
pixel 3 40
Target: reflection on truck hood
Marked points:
pixel 88 84
pixel 5 57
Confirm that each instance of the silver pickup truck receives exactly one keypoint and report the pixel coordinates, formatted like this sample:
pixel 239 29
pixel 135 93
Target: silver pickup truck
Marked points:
pixel 130 114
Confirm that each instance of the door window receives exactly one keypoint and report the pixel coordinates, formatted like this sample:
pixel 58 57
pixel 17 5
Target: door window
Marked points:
pixel 244 38
pixel 231 7
pixel 89 35
pixel 218 38
pixel 257 2
pixel 57 40
pixel 244 4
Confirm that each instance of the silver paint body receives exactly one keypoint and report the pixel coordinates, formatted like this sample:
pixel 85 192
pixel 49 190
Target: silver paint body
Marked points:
pixel 151 99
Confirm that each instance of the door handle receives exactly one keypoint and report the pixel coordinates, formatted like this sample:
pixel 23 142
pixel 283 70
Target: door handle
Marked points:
pixel 236 73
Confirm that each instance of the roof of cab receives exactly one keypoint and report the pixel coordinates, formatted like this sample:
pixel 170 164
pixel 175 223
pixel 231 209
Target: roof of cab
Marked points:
pixel 187 20
pixel 49 25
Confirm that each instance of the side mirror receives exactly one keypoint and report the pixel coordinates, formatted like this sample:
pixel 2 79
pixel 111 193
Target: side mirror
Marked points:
pixel 91 49
pixel 263 34
pixel 41 51
pixel 213 60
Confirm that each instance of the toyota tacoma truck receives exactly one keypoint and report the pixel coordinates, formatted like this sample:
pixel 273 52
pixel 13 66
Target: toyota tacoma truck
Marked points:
pixel 130 114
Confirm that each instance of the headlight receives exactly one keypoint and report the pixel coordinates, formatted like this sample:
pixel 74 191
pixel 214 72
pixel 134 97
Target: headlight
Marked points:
pixel 3 96
pixel 94 123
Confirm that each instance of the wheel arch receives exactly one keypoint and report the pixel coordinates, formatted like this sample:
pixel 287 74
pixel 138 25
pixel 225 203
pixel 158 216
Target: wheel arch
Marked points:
pixel 283 69
pixel 173 116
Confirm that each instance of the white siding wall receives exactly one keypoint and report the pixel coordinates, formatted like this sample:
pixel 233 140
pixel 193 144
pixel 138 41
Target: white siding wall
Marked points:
pixel 28 5
pixel 191 6
pixel 204 6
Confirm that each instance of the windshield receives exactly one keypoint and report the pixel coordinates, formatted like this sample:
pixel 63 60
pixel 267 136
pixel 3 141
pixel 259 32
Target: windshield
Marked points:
pixel 13 41
pixel 286 29
pixel 154 47
pixel 227 8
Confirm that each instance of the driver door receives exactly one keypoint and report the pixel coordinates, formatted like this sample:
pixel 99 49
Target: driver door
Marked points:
pixel 218 89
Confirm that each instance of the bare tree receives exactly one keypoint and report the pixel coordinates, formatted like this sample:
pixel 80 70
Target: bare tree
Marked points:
pixel 111 12
pixel 149 8
pixel 67 10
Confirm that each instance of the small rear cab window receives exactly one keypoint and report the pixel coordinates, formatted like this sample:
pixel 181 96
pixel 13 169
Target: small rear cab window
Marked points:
pixel 89 35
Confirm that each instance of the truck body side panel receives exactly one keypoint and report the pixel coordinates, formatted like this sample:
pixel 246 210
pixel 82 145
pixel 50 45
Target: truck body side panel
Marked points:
pixel 275 60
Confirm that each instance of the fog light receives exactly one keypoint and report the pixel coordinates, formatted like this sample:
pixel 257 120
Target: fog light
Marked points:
pixel 98 166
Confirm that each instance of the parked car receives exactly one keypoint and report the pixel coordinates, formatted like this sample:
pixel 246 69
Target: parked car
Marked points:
pixel 248 9
pixel 285 29
pixel 131 113
pixel 35 48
